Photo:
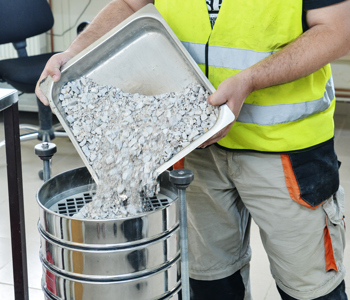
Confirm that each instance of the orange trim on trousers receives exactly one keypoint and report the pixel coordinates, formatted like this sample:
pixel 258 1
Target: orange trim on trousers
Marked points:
pixel 291 182
pixel 179 164
pixel 329 254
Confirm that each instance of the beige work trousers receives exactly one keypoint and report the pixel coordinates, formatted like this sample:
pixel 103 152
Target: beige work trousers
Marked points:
pixel 228 188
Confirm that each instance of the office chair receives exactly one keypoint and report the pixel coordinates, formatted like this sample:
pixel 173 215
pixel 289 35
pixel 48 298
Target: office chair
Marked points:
pixel 19 20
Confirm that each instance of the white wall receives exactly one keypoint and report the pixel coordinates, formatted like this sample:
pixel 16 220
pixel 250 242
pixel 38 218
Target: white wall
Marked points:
pixel 341 76
pixel 341 73
pixel 66 14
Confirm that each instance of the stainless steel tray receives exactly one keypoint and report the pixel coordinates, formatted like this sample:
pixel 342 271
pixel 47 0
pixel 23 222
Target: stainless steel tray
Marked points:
pixel 140 55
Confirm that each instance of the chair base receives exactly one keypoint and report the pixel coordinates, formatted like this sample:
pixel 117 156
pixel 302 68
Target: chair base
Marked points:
pixel 37 134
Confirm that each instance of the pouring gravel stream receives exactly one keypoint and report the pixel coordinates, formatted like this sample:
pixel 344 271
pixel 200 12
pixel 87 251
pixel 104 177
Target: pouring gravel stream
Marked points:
pixel 126 137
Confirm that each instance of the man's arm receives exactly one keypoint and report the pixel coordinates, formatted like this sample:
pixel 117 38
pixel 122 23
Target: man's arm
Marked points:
pixel 109 17
pixel 327 39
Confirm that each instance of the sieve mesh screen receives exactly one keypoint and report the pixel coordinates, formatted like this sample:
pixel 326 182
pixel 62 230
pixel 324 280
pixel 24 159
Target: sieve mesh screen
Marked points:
pixel 71 205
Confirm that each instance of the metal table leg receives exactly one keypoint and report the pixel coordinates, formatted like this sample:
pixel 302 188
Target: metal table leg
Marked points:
pixel 15 192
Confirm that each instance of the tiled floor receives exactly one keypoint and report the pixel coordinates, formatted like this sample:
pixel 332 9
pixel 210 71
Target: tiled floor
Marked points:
pixel 66 158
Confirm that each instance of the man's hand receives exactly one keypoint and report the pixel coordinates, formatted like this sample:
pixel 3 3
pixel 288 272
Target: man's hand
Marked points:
pixel 53 69
pixel 232 91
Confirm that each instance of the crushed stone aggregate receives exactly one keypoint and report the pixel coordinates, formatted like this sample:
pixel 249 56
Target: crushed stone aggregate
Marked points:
pixel 126 137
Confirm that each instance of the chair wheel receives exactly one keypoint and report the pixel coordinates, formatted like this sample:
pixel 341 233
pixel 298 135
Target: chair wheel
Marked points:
pixel 41 174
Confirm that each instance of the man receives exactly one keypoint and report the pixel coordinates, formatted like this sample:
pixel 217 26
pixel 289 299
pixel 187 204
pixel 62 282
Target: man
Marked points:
pixel 276 163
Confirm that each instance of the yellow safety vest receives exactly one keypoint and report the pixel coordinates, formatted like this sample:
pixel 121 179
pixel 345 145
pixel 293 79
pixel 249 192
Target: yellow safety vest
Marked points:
pixel 287 117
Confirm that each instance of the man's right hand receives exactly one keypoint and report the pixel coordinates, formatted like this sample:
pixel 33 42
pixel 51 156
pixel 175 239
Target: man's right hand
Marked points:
pixel 53 69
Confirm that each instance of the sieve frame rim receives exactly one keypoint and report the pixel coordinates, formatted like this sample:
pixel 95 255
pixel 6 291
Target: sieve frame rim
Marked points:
pixel 92 248
pixel 171 264
pixel 143 214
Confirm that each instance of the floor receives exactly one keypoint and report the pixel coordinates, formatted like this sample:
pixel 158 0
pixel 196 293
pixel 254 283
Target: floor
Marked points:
pixel 263 287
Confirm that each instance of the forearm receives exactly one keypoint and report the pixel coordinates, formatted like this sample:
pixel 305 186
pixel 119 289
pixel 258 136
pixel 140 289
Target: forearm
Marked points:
pixel 327 39
pixel 310 52
pixel 109 17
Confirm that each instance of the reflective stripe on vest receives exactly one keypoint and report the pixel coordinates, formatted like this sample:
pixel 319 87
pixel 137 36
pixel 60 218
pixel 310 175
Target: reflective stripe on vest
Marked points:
pixel 284 113
pixel 225 57
pixel 240 59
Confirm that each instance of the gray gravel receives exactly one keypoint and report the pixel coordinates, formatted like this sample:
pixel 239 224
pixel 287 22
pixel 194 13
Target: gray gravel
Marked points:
pixel 126 137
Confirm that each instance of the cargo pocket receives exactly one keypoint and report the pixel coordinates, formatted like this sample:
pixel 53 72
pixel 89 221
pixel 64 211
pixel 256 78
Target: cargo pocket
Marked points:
pixel 312 176
pixel 334 231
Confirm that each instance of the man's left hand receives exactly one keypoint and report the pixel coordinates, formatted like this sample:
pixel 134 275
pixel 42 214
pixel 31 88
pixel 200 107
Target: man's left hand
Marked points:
pixel 232 91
